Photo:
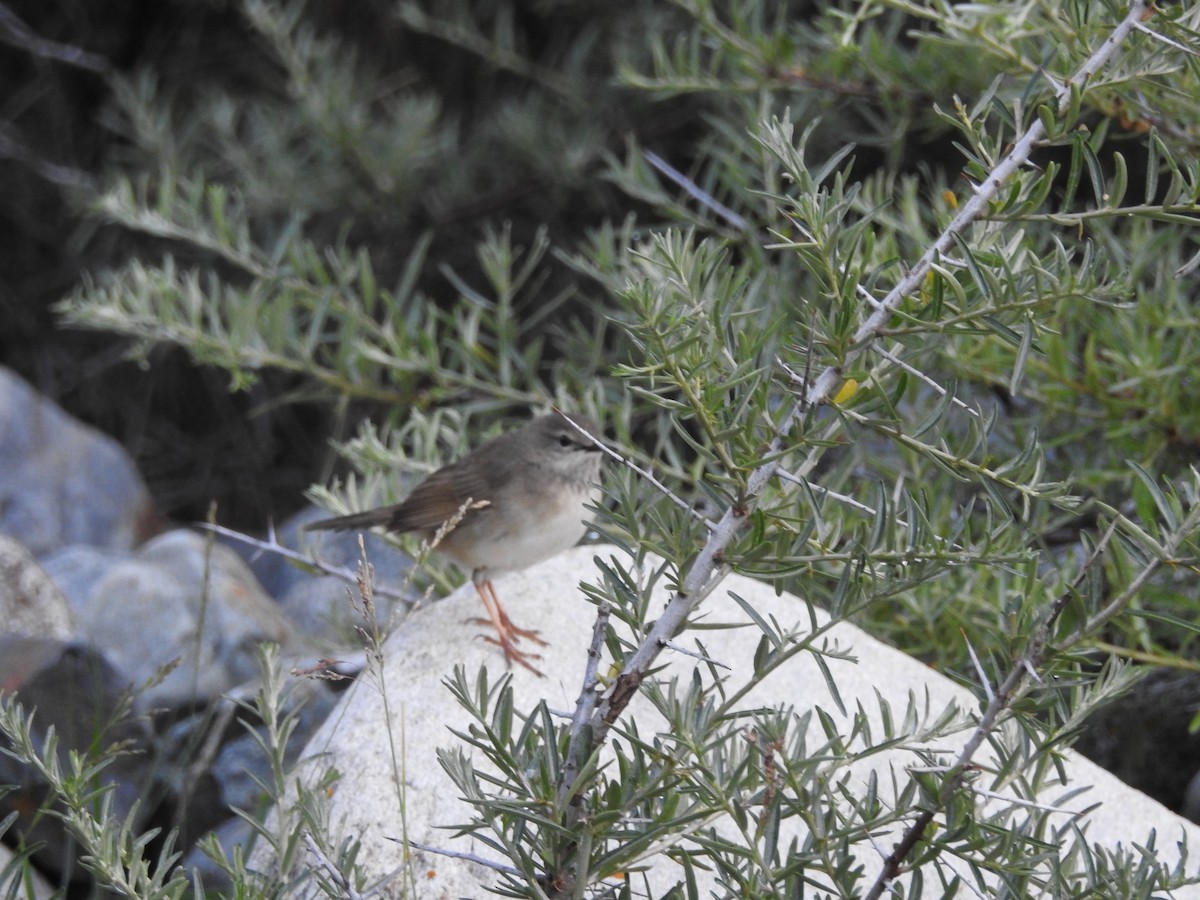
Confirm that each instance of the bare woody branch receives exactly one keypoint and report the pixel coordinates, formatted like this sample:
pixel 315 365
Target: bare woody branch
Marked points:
pixel 707 570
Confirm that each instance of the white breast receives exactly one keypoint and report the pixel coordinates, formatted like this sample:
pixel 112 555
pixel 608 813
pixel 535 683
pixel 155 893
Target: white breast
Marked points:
pixel 529 538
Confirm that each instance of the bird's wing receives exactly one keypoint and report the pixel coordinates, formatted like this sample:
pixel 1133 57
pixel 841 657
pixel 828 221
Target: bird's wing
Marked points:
pixel 440 497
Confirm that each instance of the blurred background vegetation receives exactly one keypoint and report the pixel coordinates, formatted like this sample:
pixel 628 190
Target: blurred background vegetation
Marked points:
pixel 421 214
pixel 393 131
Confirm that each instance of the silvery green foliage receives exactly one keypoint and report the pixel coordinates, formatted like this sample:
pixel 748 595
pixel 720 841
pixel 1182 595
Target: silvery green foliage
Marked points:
pixel 969 434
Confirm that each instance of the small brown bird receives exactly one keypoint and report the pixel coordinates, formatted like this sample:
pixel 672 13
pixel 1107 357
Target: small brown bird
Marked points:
pixel 518 499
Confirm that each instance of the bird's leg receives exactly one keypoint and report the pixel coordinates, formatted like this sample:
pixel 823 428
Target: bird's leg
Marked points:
pixel 508 623
pixel 499 619
pixel 506 632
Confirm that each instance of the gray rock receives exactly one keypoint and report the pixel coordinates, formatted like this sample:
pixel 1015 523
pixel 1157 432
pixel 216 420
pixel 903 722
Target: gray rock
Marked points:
pixel 30 601
pixel 184 617
pixel 63 482
pixel 76 569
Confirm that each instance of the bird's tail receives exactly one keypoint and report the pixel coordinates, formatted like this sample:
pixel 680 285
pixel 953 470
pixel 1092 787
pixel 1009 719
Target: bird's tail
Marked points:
pixel 354 522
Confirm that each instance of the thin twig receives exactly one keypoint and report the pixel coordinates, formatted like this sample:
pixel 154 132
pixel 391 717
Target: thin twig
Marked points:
pixel 785 475
pixel 272 545
pixel 14 31
pixel 1150 32
pixel 917 373
pixel 703 196
pixel 865 294
pixel 332 871
pixel 979 670
pixel 1167 555
pixel 644 474
pixel 65 176
pixel 503 868
pixel 695 654
pixel 1028 804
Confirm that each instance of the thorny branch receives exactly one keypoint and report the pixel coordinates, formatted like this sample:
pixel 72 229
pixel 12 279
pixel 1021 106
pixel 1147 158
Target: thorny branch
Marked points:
pixel 707 570
pixel 585 703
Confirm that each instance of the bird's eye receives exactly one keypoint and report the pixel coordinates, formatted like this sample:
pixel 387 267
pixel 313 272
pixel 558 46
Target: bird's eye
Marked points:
pixel 564 441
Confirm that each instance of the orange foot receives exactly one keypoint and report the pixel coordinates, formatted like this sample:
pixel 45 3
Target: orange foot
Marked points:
pixel 507 634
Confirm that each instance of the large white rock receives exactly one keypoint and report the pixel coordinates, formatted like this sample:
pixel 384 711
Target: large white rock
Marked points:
pixel 367 747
